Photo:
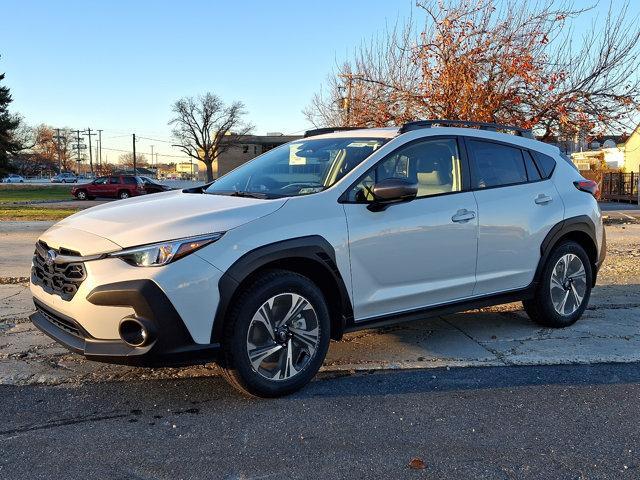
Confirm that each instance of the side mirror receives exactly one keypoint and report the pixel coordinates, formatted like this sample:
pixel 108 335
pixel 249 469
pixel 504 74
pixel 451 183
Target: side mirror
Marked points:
pixel 390 191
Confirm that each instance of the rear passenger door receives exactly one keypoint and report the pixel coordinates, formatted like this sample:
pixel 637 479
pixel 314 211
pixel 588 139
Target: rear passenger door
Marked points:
pixel 114 186
pixel 517 206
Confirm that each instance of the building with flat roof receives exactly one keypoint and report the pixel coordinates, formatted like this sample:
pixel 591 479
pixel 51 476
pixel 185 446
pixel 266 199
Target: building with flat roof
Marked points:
pixel 250 146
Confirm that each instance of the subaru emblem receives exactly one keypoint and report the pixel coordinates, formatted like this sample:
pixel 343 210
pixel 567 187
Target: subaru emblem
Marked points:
pixel 51 257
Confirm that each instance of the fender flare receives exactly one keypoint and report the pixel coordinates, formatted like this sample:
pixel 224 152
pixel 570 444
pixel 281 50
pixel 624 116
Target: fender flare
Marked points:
pixel 312 247
pixel 580 223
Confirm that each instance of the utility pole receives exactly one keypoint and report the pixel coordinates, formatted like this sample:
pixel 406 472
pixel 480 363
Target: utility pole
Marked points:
pixel 88 133
pixel 100 148
pixel 57 137
pixel 346 101
pixel 78 144
pixel 151 156
pixel 134 154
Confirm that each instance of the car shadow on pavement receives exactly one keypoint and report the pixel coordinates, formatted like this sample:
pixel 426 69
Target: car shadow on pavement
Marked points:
pixel 185 395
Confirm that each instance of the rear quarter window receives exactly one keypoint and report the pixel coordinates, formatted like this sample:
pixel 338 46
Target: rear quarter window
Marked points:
pixel 129 180
pixel 545 163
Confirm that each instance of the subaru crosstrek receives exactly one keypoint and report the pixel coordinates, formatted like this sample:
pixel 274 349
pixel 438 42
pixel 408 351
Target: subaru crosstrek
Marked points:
pixel 341 230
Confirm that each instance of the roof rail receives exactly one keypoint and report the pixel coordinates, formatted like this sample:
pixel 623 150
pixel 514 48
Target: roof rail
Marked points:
pixel 322 131
pixel 494 127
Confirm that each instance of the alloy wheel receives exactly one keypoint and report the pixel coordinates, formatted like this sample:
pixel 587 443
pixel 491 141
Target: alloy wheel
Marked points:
pixel 568 284
pixel 283 336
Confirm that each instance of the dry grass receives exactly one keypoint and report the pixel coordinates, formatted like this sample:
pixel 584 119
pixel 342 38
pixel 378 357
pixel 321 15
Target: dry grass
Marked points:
pixel 27 213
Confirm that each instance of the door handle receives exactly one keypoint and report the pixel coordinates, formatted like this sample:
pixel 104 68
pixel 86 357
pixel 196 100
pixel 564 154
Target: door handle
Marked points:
pixel 463 216
pixel 543 199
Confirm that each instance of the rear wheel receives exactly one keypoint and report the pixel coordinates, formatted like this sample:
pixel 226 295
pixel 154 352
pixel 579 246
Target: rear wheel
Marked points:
pixel 276 336
pixel 123 194
pixel 564 290
pixel 81 195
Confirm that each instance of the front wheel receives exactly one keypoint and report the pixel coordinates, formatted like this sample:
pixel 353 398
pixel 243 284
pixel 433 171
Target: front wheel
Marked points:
pixel 81 195
pixel 276 335
pixel 564 290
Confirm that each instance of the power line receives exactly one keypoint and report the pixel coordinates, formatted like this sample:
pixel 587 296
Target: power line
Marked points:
pixel 155 139
pixel 160 154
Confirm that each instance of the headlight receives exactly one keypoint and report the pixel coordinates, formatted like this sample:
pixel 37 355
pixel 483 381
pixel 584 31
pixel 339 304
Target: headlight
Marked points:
pixel 158 254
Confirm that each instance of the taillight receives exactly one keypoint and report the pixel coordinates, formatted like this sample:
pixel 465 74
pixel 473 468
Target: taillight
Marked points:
pixel 588 186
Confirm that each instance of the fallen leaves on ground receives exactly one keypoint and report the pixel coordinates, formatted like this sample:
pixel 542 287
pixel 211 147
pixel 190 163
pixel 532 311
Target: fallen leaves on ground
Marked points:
pixel 417 464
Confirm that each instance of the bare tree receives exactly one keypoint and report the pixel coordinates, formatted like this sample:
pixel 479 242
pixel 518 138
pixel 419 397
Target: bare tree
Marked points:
pixel 51 148
pixel 204 127
pixel 126 160
pixel 489 60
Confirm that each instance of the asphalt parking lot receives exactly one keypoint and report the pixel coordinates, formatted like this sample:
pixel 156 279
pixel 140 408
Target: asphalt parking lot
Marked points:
pixel 481 394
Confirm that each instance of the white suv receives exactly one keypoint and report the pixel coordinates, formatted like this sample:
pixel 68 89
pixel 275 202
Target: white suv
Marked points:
pixel 339 231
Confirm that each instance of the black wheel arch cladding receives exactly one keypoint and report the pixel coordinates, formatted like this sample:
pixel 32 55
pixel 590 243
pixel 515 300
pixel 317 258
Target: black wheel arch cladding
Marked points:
pixel 580 229
pixel 311 255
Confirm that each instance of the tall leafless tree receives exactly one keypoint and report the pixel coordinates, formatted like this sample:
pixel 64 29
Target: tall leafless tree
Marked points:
pixel 126 160
pixel 490 60
pixel 204 127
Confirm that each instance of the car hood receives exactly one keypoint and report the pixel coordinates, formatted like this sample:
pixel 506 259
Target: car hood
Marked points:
pixel 163 216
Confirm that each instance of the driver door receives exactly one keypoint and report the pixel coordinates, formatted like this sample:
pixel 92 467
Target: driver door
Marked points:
pixel 419 253
pixel 99 186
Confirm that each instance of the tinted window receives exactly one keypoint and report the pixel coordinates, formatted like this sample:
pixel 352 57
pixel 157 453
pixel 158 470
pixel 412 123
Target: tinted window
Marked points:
pixel 433 164
pixel 545 163
pixel 114 180
pixel 496 164
pixel 129 180
pixel 532 170
pixel 100 180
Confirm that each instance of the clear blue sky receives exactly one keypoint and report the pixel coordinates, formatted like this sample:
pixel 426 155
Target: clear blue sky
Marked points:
pixel 118 65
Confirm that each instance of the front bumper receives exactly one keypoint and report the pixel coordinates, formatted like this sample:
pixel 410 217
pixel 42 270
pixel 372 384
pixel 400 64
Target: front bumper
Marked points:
pixel 171 345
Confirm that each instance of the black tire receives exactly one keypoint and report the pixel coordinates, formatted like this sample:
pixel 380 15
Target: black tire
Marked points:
pixel 123 194
pixel 82 195
pixel 235 362
pixel 541 309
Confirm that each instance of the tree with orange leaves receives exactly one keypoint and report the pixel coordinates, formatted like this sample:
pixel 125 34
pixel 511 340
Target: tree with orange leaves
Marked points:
pixel 484 60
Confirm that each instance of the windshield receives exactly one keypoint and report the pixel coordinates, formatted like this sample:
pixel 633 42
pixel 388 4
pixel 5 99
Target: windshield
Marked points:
pixel 297 168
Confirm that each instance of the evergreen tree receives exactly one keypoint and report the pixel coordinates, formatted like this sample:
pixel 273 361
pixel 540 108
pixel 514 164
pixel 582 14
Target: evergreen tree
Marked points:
pixel 8 124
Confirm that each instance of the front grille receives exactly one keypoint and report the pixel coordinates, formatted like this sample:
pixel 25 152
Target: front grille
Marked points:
pixel 59 279
pixel 68 326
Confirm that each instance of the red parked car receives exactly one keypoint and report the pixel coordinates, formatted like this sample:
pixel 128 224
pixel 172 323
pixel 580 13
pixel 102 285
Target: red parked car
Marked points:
pixel 115 186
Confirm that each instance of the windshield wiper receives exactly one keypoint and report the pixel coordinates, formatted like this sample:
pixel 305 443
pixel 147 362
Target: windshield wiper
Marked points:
pixel 241 193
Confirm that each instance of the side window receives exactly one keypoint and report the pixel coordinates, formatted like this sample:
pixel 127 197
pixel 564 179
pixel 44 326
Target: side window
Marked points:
pixel 114 180
pixel 496 164
pixel 545 163
pixel 100 181
pixel 433 164
pixel 532 170
pixel 129 180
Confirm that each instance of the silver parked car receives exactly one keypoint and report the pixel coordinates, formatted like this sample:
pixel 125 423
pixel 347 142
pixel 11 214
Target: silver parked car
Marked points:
pixel 13 178
pixel 339 231
pixel 65 177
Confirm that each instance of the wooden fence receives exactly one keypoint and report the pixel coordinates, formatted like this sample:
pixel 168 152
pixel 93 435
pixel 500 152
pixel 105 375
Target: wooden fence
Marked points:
pixel 619 187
